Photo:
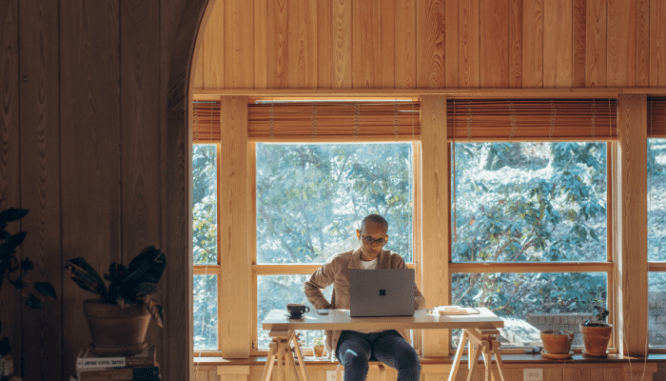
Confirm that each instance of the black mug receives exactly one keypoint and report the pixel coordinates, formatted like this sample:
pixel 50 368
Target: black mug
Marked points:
pixel 296 310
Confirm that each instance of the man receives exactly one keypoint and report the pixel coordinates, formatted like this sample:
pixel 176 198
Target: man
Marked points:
pixel 352 348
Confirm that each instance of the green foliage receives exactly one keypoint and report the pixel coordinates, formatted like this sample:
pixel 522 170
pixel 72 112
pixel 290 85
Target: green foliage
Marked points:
pixel 136 283
pixel 529 202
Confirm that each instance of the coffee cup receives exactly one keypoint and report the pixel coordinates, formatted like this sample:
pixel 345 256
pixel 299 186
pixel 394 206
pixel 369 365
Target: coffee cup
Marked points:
pixel 296 310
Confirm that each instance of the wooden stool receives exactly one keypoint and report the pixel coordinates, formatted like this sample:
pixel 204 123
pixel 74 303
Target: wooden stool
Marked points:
pixel 378 364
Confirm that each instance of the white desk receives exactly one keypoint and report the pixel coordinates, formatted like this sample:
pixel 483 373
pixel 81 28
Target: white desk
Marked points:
pixel 480 330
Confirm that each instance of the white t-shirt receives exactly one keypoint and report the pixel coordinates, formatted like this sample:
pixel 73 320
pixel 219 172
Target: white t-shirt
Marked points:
pixel 369 265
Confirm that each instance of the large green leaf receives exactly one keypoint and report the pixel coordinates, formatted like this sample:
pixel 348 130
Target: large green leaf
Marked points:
pixel 12 214
pixel 46 289
pixel 86 277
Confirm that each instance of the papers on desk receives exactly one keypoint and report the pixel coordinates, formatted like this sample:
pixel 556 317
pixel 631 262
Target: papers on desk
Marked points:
pixel 452 310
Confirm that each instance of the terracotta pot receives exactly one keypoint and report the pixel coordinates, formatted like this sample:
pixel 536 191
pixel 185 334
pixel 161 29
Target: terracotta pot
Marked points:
pixel 596 339
pixel 115 330
pixel 318 351
pixel 556 342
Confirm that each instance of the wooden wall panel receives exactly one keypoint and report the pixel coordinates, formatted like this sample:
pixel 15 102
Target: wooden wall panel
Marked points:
pixel 558 43
pixel 595 42
pixel 576 374
pixel 239 44
pixel 212 44
pixel 533 43
pixel 468 46
pixel 260 43
pixel 90 161
pixel 10 179
pixel 657 43
pixel 642 69
pixel 234 198
pixel 432 44
pixel 373 44
pixel 622 56
pixel 631 214
pixel 40 184
pixel 516 43
pixel 324 44
pixel 452 45
pixel 277 43
pixel 405 44
pixel 341 55
pixel 494 35
pixel 140 150
pixel 579 42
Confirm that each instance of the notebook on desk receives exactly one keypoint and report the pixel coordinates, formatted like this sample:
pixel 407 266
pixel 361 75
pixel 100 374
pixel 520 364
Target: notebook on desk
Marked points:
pixel 381 292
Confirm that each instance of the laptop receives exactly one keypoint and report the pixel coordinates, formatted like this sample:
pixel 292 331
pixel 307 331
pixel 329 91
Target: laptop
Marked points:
pixel 381 292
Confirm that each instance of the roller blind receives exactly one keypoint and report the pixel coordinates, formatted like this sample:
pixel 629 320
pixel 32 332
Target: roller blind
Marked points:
pixel 206 121
pixel 656 117
pixel 533 119
pixel 312 121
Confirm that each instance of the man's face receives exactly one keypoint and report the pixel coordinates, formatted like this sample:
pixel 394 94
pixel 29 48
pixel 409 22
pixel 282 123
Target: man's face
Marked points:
pixel 373 238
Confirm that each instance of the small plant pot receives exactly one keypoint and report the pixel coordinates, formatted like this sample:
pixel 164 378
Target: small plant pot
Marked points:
pixel 557 342
pixel 115 330
pixel 595 338
pixel 318 350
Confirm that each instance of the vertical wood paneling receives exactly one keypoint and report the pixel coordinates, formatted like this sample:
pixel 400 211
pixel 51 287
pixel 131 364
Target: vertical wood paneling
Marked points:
pixel 341 55
pixel 373 49
pixel 405 44
pixel 516 43
pixel 234 199
pixel 213 44
pixel 576 374
pixel 642 69
pixel 553 374
pixel 40 184
pixel 260 44
pixel 468 45
pixel 452 45
pixel 579 38
pixel 432 44
pixel 494 35
pixel 622 42
pixel 435 217
pixel 89 145
pixel 533 43
pixel 10 180
pixel 596 47
pixel 631 231
pixel 558 43
pixel 278 49
pixel 239 44
pixel 140 150
pixel 324 44
pixel 657 43
pixel 302 45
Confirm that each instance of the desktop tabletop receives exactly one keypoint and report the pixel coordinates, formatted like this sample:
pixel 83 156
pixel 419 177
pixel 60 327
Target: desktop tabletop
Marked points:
pixel 340 320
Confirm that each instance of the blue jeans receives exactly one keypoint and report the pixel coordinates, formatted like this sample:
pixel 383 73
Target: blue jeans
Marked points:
pixel 355 349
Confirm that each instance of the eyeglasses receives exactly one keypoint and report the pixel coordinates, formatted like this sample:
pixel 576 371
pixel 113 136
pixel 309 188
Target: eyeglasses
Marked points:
pixel 369 240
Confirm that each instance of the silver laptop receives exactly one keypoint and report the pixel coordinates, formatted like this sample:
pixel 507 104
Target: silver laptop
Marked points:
pixel 381 292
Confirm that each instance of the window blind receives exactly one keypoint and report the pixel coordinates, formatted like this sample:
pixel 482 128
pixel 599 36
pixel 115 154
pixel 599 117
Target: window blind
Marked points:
pixel 206 121
pixel 532 119
pixel 311 121
pixel 656 117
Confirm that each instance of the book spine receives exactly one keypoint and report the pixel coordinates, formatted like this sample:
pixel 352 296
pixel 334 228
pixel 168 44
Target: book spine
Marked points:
pixel 122 362
pixel 121 374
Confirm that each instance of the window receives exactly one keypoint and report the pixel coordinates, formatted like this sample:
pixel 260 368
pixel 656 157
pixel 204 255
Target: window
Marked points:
pixel 525 211
pixel 656 242
pixel 309 201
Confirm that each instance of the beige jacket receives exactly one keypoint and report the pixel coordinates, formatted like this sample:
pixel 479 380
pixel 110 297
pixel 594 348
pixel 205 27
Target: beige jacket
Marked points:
pixel 336 272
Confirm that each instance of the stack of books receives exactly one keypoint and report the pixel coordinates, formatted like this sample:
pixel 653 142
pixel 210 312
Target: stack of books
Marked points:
pixel 140 367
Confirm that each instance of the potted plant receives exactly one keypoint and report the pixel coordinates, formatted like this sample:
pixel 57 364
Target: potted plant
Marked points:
pixel 14 272
pixel 557 342
pixel 318 346
pixel 596 333
pixel 118 319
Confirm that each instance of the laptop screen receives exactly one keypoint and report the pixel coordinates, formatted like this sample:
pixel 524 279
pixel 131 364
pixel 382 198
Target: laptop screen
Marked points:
pixel 381 292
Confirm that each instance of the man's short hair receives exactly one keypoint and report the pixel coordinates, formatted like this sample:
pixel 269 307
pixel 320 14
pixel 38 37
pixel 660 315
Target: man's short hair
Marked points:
pixel 374 218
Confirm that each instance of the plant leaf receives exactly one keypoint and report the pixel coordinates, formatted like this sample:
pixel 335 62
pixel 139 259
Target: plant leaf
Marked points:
pixel 12 214
pixel 148 266
pixel 27 265
pixel 155 309
pixel 33 302
pixel 46 289
pixel 86 277
pixel 14 241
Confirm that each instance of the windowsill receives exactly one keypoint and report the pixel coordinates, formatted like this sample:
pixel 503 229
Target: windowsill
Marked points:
pixel 508 358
